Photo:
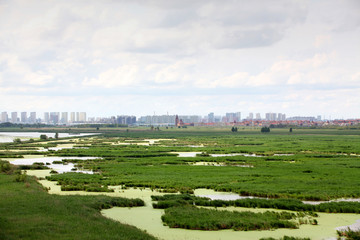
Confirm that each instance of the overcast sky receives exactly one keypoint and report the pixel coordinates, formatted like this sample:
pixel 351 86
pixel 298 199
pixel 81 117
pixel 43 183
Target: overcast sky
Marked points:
pixel 181 57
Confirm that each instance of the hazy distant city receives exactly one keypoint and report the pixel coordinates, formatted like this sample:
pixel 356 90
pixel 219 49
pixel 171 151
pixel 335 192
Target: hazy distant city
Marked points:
pixel 251 119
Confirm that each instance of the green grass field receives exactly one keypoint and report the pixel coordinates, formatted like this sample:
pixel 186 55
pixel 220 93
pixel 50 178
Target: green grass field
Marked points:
pixel 316 166
pixel 29 212
pixel 307 164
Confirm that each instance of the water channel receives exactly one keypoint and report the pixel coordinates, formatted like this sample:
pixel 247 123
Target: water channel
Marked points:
pixel 149 219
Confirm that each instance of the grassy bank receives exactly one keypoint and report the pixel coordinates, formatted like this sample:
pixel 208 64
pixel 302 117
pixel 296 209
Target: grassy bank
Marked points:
pixel 29 212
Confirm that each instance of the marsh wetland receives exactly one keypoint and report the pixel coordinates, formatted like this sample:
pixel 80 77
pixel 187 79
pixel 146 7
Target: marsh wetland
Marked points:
pixel 303 184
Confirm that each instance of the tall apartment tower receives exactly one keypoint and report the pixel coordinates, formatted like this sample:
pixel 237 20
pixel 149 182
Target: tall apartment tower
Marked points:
pixel 32 118
pixel 14 117
pixel 211 117
pixel 77 117
pixel 4 117
pixel 230 117
pixel 64 117
pixel 270 116
pixel 251 116
pixel 23 117
pixel 46 117
pixel 54 117
pixel 72 117
pixel 258 116
pixel 82 117
pixel 238 116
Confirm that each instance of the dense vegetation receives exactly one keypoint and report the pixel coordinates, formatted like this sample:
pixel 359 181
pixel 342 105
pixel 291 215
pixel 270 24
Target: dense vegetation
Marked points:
pixel 286 167
pixel 308 165
pixel 171 200
pixel 190 217
pixel 29 212
pixel 286 238
pixel 348 234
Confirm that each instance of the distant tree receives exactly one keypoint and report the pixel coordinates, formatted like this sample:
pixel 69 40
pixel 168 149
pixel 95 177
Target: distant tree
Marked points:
pixel 31 140
pixel 290 130
pixel 17 140
pixel 43 137
pixel 57 135
pixel 234 129
pixel 97 128
pixel 265 129
pixel 127 130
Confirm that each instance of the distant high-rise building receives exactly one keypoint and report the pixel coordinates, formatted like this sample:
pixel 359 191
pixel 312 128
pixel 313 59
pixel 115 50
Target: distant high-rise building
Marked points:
pixel 82 117
pixel 23 117
pixel 125 119
pixel 258 116
pixel 77 117
pixel 72 117
pixel 251 116
pixel 238 116
pixel 211 117
pixel 319 117
pixel 281 117
pixel 14 118
pixel 270 116
pixel 64 117
pixel 32 118
pixel 4 117
pixel 177 120
pixel 46 117
pixel 230 117
pixel 54 117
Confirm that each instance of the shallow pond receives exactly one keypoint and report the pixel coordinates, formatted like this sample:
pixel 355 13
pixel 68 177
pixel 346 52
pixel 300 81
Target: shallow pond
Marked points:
pixel 10 136
pixel 149 219
pixel 219 164
pixel 228 196
pixel 48 161
pixel 193 154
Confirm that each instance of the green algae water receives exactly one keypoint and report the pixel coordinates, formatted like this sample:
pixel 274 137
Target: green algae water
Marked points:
pixel 149 219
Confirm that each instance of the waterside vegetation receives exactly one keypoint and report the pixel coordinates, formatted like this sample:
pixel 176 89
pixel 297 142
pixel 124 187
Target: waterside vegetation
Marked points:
pixel 280 167
pixel 29 212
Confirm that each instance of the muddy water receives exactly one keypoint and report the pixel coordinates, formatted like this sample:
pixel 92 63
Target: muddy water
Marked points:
pixel 149 219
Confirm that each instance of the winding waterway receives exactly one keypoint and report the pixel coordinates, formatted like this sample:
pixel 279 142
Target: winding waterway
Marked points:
pixel 149 219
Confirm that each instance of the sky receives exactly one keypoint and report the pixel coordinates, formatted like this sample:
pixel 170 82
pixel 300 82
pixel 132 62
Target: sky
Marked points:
pixel 193 57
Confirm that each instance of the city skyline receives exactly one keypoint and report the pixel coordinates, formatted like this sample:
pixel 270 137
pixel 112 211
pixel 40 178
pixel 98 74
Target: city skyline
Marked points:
pixel 182 57
pixel 82 117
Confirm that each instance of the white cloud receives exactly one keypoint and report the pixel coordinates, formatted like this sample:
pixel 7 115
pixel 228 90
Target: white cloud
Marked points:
pixel 198 49
pixel 322 40
pixel 119 77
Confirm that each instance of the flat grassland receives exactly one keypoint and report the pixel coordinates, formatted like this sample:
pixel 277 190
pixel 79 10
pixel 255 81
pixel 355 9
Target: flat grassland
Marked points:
pixel 305 164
